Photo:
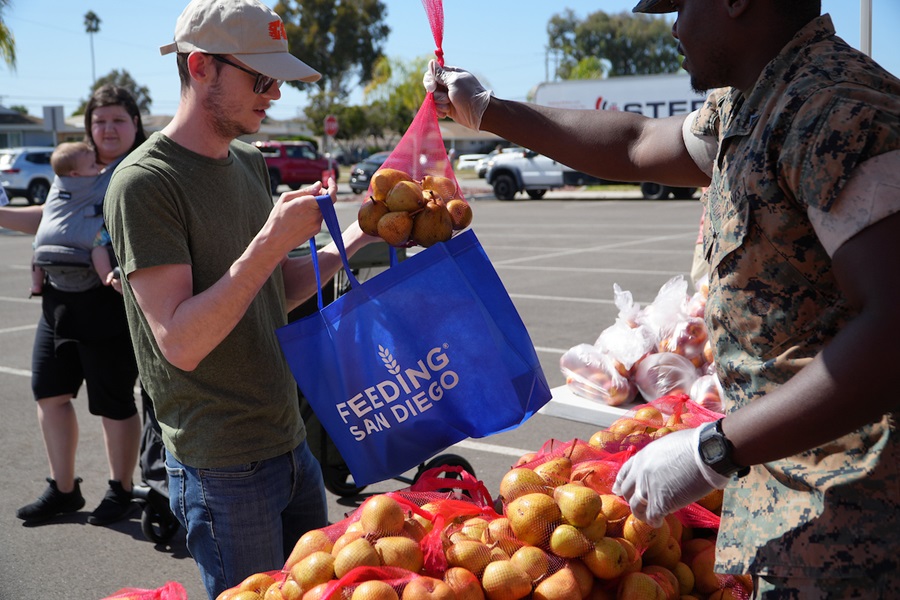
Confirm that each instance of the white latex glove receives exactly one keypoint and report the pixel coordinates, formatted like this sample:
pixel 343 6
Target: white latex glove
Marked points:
pixel 457 93
pixel 666 475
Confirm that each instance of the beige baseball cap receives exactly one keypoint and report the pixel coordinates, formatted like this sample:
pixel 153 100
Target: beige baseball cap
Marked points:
pixel 654 7
pixel 247 29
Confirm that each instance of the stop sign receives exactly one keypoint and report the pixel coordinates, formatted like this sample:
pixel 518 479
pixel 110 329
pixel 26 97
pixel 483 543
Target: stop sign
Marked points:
pixel 331 125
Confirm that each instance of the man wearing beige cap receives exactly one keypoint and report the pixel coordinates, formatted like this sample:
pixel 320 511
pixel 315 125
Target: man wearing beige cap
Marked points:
pixel 800 147
pixel 207 281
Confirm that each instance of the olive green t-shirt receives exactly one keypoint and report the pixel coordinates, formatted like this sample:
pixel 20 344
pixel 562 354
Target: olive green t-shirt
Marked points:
pixel 167 205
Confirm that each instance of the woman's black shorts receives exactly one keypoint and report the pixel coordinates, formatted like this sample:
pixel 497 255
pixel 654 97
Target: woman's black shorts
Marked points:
pixel 105 362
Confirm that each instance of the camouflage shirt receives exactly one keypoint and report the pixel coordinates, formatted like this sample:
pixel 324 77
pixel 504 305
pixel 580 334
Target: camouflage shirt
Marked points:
pixel 818 110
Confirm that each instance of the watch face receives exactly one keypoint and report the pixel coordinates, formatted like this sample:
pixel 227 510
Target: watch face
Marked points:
pixel 713 450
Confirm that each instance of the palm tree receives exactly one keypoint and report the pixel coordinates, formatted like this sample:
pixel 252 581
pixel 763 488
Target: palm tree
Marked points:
pixel 7 40
pixel 91 26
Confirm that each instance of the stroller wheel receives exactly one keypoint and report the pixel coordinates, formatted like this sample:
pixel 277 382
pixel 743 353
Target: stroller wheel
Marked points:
pixel 452 460
pixel 158 527
pixel 339 482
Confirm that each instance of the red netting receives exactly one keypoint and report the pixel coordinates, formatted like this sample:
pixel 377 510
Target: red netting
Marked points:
pixel 415 198
pixel 420 151
pixel 170 591
pixel 435 11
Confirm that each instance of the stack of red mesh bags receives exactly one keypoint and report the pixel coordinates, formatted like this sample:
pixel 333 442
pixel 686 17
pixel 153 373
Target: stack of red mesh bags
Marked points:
pixel 555 532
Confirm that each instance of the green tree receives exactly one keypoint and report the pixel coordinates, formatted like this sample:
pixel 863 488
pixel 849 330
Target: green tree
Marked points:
pixel 342 39
pixel 392 98
pixel 92 26
pixel 7 39
pixel 122 79
pixel 590 67
pixel 19 108
pixel 396 87
pixel 631 44
pixel 357 124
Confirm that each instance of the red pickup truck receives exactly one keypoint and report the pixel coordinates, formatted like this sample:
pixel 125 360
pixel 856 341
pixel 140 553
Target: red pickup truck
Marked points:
pixel 294 164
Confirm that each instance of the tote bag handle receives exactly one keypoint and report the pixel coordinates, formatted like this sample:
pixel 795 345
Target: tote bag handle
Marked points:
pixel 334 229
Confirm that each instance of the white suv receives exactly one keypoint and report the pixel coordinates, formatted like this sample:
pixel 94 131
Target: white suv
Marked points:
pixel 27 172
pixel 525 171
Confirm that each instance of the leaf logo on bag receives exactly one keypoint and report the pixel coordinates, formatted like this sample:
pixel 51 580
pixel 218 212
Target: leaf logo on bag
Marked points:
pixel 410 393
pixel 391 364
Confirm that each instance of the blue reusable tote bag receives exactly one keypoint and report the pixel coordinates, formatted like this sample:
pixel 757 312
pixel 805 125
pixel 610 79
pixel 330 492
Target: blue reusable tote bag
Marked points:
pixel 425 354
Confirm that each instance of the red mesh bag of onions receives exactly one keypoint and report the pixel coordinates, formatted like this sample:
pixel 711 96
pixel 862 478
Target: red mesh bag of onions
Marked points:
pixel 414 199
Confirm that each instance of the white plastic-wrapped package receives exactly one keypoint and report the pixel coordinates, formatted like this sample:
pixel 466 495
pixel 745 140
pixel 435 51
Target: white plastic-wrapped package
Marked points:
pixel 688 337
pixel 595 375
pixel 667 309
pixel 625 344
pixel 664 373
pixel 707 392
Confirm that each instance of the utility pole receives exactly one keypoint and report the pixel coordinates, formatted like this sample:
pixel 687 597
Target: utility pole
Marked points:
pixel 865 26
pixel 92 26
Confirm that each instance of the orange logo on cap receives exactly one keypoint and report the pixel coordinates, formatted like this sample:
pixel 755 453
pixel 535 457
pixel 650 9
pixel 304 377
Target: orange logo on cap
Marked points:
pixel 276 30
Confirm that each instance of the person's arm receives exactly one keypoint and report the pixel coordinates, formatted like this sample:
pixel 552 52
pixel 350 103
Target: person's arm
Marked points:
pixel 299 276
pixel 101 262
pixel 25 219
pixel 188 327
pixel 613 145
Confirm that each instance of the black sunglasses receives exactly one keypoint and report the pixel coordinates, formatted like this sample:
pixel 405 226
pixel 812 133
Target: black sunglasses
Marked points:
pixel 262 83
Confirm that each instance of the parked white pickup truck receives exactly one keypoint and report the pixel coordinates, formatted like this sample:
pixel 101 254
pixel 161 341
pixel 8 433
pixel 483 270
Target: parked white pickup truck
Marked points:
pixel 527 171
pixel 512 172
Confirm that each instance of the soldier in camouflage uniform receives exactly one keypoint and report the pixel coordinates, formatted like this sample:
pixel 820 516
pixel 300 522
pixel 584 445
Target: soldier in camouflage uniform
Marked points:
pixel 801 153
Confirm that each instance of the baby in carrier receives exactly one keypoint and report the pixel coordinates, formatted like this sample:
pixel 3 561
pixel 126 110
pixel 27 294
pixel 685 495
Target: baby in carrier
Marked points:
pixel 70 160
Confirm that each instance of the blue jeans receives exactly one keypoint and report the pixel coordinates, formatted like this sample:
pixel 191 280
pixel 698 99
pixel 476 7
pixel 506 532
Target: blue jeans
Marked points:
pixel 245 519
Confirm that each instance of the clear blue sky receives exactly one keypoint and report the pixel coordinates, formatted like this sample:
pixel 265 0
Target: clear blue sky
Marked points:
pixel 502 41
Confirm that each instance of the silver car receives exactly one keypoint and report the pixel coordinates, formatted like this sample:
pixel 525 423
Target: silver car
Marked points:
pixel 26 171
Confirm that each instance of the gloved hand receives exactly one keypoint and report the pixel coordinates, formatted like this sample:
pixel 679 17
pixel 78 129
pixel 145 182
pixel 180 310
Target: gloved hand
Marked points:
pixel 457 93
pixel 666 475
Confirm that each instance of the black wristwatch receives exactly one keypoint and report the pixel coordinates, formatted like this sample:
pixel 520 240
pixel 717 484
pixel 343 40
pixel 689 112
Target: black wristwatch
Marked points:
pixel 716 451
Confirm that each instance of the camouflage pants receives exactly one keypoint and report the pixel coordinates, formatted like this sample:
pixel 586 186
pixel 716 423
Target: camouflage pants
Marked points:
pixel 783 588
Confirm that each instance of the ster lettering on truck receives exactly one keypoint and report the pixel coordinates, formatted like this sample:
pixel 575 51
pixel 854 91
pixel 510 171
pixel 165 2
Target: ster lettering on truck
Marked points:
pixel 650 95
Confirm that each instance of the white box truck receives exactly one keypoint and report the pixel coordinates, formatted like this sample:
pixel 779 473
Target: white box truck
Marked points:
pixel 650 95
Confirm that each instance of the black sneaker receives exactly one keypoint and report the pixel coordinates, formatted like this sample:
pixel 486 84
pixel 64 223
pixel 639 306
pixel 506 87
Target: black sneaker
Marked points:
pixel 51 503
pixel 115 506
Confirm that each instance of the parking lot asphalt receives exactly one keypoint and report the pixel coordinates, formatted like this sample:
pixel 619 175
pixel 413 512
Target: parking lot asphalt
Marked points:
pixel 558 259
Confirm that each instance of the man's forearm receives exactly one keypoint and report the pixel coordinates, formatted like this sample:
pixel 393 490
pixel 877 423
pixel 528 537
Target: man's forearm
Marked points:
pixel 613 145
pixel 188 327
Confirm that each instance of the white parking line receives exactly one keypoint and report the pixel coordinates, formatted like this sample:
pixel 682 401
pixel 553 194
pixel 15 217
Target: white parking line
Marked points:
pixel 562 253
pixel 19 328
pixel 559 351
pixel 492 448
pixel 561 298
pixel 34 301
pixel 11 371
pixel 590 270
